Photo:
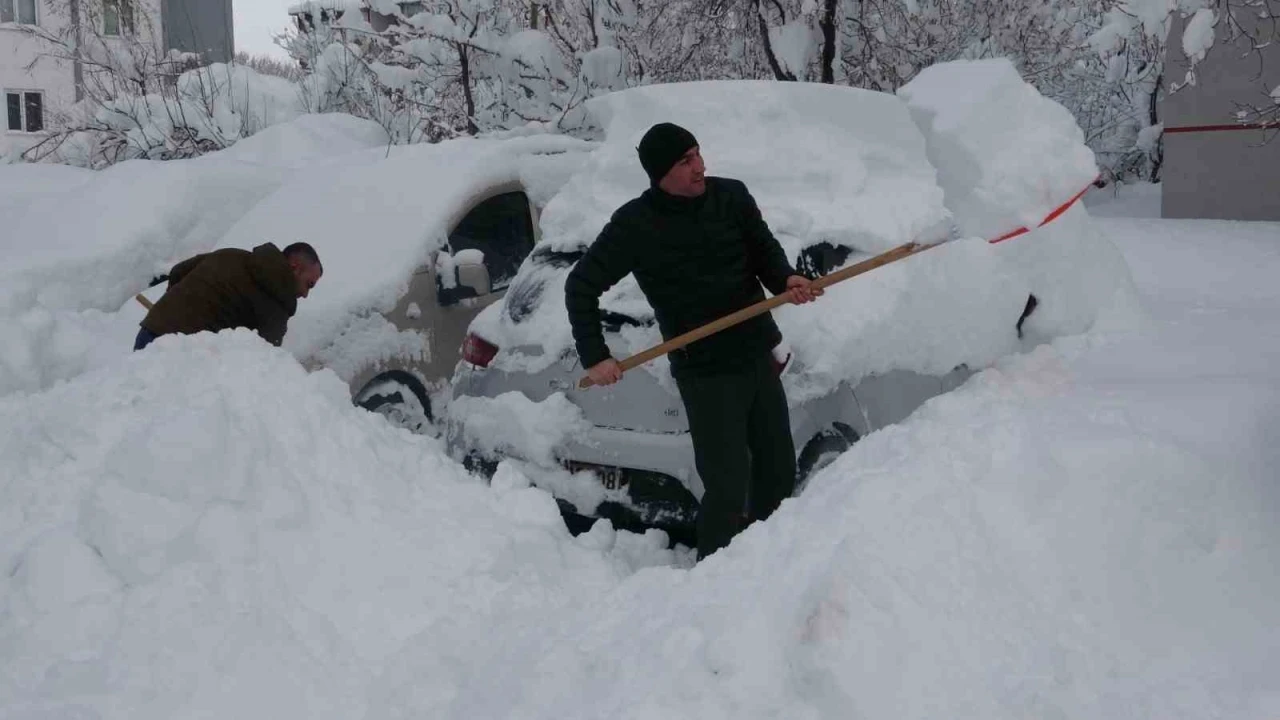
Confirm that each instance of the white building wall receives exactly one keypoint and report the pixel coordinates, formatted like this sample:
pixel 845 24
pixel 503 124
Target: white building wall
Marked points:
pixel 52 78
pixel 25 64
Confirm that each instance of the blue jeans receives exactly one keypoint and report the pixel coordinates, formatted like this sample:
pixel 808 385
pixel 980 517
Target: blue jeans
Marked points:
pixel 144 339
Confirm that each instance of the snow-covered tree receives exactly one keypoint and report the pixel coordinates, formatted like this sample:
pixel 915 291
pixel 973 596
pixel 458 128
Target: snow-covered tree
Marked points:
pixel 1132 41
pixel 138 100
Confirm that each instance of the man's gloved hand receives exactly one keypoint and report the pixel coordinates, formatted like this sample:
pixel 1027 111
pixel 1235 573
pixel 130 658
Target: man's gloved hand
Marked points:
pixel 800 290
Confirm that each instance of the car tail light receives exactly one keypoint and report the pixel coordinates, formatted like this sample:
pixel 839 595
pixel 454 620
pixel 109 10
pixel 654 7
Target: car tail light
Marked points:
pixel 478 351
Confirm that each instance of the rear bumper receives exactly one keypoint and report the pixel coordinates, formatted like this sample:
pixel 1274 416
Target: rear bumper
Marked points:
pixel 666 453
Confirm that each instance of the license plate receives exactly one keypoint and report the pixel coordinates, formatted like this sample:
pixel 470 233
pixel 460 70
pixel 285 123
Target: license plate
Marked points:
pixel 612 478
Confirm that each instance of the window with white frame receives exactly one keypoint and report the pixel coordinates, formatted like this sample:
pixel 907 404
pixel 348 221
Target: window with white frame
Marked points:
pixel 117 17
pixel 19 11
pixel 25 109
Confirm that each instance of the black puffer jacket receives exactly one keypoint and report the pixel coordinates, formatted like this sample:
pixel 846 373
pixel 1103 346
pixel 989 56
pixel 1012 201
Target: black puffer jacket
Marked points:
pixel 696 259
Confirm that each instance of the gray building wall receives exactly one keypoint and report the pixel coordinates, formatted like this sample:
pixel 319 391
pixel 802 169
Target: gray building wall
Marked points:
pixel 200 26
pixel 1225 174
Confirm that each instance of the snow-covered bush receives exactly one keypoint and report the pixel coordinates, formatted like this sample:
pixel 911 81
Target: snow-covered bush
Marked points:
pixel 138 100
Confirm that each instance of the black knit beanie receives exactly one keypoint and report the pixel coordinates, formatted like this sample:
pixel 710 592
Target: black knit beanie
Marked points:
pixel 661 147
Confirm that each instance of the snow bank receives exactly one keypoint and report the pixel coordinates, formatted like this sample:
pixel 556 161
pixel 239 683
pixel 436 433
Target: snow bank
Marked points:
pixel 1058 538
pixel 132 217
pixel 22 182
pixel 1085 531
pixel 310 140
pixel 206 529
pixel 63 270
pixel 1006 155
pixel 1024 548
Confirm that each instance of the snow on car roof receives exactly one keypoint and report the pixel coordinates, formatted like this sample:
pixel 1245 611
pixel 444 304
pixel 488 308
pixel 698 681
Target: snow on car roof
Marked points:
pixel 852 167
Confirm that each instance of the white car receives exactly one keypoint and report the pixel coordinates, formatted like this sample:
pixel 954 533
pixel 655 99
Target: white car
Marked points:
pixel 416 241
pixel 840 175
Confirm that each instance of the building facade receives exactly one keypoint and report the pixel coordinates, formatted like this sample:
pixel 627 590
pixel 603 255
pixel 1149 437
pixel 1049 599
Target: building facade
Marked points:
pixel 1217 162
pixel 38 84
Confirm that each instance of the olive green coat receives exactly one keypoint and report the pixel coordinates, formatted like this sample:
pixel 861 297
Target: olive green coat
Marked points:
pixel 228 288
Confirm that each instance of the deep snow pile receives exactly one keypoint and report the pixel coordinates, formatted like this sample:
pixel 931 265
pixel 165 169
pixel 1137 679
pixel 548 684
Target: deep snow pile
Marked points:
pixel 206 529
pixel 1007 158
pixel 65 271
pixel 1087 531
pixel 1005 154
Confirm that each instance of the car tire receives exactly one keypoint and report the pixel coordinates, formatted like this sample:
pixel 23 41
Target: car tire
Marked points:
pixel 821 450
pixel 477 463
pixel 402 399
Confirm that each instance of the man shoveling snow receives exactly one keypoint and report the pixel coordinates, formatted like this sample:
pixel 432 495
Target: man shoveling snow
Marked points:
pixel 233 288
pixel 700 249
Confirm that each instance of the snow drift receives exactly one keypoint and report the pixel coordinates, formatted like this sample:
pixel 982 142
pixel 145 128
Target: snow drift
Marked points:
pixel 65 274
pixel 206 529
pixel 1008 157
pixel 1085 531
pixel 1005 154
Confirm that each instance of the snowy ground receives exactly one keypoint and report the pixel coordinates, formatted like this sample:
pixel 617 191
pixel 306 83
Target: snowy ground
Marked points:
pixel 1086 531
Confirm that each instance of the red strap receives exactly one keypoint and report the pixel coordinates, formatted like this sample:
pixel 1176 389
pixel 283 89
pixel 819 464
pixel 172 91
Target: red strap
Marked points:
pixel 1048 218
pixel 1273 125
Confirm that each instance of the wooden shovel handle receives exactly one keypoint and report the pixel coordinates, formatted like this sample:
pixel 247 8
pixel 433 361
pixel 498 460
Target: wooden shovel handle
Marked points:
pixel 764 306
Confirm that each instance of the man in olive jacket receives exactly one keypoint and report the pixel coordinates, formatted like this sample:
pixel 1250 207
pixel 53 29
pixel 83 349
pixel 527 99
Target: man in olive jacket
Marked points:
pixel 233 288
pixel 699 250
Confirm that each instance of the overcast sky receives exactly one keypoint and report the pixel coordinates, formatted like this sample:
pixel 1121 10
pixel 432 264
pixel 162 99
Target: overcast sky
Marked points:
pixel 256 21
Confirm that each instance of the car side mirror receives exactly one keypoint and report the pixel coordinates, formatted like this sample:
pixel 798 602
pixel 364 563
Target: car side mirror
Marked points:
pixel 461 276
pixel 472 273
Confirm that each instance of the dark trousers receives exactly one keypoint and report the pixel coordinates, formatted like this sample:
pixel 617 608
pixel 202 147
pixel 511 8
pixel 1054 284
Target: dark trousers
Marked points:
pixel 742 446
pixel 144 339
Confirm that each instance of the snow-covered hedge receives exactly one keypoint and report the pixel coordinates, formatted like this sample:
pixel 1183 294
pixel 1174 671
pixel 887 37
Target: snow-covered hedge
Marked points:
pixel 205 109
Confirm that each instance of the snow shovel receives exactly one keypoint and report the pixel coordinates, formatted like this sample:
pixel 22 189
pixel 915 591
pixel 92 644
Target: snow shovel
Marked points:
pixel 764 306
pixel 142 299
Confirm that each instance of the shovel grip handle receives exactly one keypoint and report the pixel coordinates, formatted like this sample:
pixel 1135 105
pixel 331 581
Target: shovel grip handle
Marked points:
pixel 746 313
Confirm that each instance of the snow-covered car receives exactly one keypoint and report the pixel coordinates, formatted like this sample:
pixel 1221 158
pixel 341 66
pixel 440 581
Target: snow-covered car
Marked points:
pixel 415 241
pixel 840 175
